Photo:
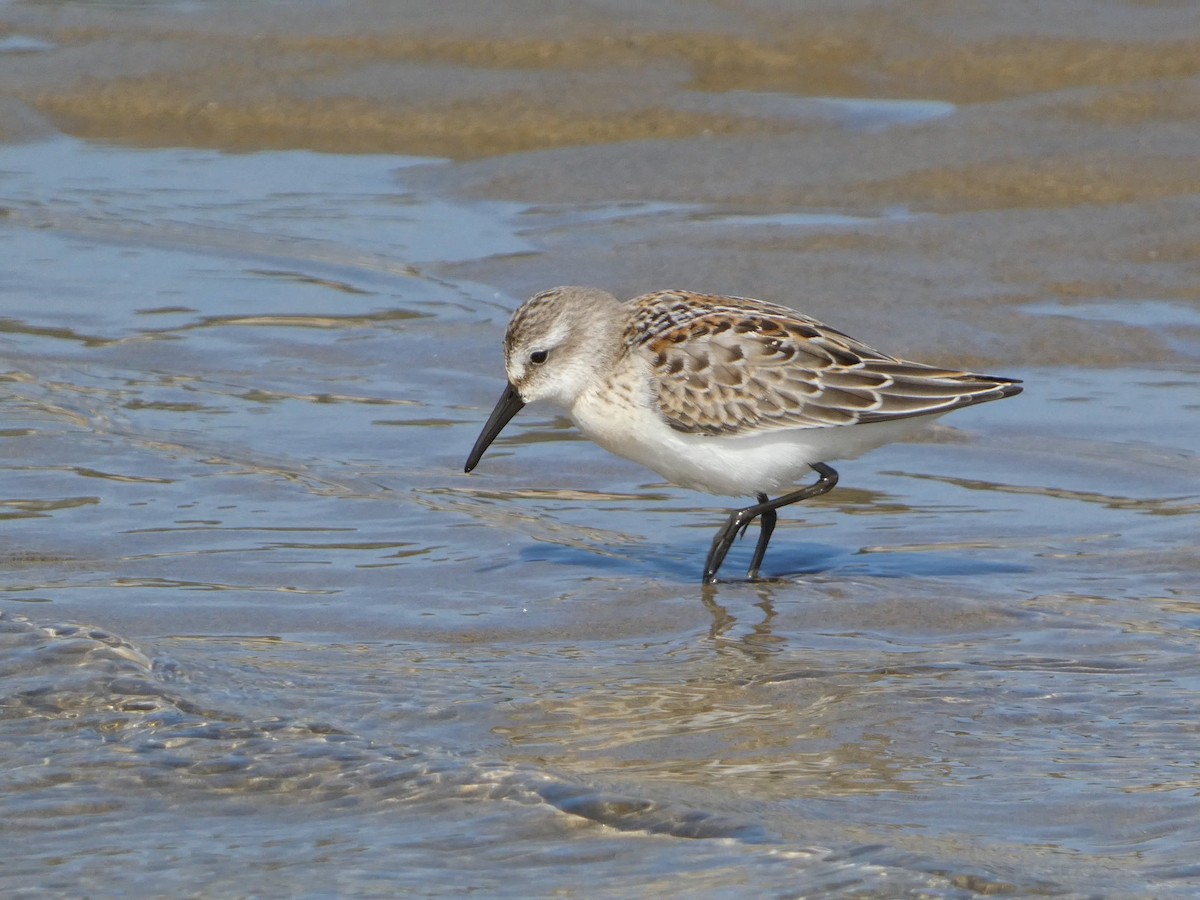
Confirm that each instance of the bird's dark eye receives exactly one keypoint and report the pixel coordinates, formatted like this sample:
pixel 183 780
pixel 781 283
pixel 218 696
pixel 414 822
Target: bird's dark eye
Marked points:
pixel 537 357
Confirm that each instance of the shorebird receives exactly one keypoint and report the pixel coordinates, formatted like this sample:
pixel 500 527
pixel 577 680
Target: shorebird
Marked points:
pixel 727 395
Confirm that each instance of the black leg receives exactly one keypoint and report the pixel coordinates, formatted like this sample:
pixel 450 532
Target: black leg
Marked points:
pixel 740 519
pixel 766 525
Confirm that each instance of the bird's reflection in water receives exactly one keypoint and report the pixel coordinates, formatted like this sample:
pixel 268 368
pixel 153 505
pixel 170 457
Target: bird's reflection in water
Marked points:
pixel 759 641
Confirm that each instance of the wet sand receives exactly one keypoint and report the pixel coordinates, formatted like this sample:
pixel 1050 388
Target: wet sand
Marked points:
pixel 239 386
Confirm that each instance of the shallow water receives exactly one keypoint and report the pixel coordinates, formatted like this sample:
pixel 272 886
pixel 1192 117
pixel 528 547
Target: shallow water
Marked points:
pixel 260 635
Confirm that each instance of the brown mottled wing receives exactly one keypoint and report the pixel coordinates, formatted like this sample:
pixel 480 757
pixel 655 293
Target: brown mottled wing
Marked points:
pixel 731 365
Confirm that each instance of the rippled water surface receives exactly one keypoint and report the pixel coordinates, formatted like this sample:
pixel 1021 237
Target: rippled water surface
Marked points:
pixel 235 439
pixel 260 635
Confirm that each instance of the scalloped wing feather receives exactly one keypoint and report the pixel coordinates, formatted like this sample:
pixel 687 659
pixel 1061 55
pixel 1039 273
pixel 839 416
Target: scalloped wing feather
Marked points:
pixel 736 366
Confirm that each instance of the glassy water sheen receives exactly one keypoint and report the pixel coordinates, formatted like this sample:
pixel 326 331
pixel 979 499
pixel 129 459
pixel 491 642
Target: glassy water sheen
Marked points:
pixel 259 635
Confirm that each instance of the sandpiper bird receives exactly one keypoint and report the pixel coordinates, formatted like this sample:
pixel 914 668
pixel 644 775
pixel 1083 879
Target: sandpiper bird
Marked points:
pixel 727 395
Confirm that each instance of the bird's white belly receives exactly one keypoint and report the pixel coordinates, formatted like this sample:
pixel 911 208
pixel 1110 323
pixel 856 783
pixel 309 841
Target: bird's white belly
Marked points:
pixel 769 462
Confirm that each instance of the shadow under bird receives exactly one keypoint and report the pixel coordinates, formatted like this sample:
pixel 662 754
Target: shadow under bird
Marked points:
pixel 727 395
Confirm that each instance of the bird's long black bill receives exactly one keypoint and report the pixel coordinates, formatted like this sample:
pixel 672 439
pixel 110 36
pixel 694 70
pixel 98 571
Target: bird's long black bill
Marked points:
pixel 507 406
